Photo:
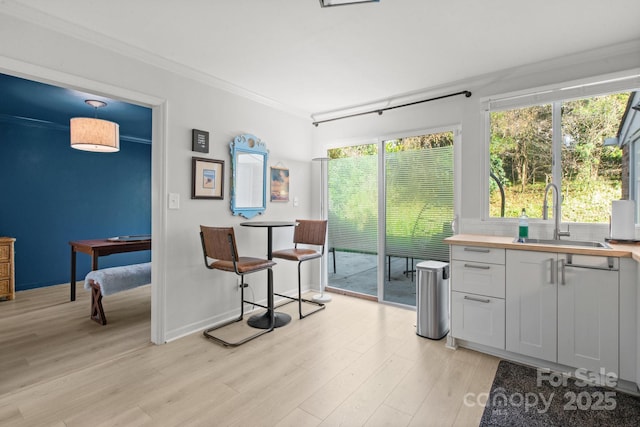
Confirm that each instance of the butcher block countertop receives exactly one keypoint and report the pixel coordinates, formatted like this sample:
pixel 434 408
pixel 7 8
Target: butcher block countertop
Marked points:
pixel 617 250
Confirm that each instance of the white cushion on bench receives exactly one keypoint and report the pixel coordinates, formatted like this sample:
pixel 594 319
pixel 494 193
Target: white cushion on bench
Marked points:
pixel 117 279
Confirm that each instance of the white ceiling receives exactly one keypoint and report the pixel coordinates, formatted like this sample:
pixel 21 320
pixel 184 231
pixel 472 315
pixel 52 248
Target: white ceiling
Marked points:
pixel 311 60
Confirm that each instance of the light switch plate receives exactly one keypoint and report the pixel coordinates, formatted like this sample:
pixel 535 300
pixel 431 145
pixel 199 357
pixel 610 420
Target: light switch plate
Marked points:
pixel 174 201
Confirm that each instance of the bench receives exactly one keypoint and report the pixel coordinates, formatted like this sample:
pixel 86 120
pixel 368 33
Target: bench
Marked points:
pixel 108 281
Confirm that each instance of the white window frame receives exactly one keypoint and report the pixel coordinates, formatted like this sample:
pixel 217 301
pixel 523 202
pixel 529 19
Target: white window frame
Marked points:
pixel 554 95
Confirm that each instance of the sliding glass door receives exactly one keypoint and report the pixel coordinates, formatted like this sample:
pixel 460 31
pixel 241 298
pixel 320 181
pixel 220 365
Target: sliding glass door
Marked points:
pixel 353 219
pixel 412 208
pixel 418 209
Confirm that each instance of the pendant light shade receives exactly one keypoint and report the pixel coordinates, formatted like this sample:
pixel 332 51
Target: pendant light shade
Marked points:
pixel 92 134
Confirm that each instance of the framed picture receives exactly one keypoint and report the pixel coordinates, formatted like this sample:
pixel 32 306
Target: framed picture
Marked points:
pixel 208 178
pixel 199 140
pixel 279 184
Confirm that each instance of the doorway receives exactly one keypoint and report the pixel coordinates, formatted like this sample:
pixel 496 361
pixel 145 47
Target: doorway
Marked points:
pixel 380 229
pixel 159 119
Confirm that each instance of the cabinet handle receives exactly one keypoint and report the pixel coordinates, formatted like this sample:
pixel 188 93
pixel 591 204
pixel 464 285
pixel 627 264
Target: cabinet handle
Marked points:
pixel 590 267
pixel 562 279
pixel 479 267
pixel 554 272
pixel 484 300
pixel 483 250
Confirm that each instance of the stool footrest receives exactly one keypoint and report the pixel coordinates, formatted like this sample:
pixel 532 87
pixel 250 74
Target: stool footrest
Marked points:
pixel 300 300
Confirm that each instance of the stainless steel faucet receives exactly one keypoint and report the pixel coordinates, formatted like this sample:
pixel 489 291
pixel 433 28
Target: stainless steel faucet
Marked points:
pixel 556 211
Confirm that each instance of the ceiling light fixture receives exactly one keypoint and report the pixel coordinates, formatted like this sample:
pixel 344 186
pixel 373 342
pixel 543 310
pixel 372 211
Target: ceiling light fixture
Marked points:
pixel 97 135
pixel 330 3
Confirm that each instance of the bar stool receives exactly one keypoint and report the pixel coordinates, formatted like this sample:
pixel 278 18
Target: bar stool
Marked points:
pixel 308 232
pixel 219 244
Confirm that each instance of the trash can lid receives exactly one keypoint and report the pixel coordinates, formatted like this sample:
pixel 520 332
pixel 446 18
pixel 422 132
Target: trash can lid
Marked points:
pixel 432 265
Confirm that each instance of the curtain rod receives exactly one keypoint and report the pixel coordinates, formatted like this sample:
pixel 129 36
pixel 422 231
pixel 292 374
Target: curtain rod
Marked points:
pixel 381 110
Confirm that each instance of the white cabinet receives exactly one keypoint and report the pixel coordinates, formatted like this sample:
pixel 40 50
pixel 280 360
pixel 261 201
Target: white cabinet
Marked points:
pixel 563 308
pixel 477 295
pixel 588 312
pixel 531 304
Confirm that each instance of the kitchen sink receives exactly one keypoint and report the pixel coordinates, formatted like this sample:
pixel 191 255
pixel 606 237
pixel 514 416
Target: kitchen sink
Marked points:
pixel 583 243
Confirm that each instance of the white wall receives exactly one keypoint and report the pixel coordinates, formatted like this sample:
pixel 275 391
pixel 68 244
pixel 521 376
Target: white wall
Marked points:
pixel 472 153
pixel 186 296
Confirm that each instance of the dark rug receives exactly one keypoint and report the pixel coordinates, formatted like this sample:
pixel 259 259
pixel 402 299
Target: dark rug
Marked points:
pixel 524 396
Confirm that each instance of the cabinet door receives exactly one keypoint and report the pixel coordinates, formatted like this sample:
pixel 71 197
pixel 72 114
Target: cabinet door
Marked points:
pixel 531 304
pixel 477 319
pixel 588 316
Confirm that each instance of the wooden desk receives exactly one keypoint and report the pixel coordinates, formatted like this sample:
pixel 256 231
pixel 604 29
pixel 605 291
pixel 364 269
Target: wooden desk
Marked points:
pixel 101 247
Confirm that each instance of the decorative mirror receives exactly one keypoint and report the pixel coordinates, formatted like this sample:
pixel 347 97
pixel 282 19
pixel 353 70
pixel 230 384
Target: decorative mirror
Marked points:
pixel 249 176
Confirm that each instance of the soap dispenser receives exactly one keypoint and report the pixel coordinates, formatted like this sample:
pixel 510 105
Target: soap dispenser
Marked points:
pixel 523 227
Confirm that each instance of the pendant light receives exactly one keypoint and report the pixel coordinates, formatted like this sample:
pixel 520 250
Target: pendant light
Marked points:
pixel 93 134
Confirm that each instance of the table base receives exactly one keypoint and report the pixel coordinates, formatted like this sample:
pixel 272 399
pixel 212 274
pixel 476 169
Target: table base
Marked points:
pixel 261 321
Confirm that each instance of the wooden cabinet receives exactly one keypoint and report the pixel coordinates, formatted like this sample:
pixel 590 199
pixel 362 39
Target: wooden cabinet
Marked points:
pixel 477 295
pixel 563 308
pixel 7 286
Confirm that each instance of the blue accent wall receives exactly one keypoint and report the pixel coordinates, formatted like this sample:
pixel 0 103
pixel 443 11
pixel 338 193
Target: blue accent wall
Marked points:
pixel 52 194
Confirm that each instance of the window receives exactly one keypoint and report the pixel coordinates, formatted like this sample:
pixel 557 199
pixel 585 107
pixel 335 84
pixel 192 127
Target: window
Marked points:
pixel 562 137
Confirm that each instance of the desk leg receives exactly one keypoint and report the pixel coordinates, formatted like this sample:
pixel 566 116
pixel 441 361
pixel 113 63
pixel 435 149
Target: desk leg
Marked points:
pixel 72 282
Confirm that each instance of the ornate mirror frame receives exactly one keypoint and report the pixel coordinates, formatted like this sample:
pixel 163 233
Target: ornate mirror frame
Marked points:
pixel 249 176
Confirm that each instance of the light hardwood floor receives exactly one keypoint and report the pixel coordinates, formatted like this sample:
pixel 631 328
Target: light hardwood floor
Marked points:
pixel 357 363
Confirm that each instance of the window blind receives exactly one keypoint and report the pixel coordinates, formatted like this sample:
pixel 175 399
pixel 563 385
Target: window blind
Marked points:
pixel 564 92
pixel 353 204
pixel 419 205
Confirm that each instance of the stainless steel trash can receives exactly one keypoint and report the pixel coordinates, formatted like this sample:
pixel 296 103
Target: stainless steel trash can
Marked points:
pixel 432 299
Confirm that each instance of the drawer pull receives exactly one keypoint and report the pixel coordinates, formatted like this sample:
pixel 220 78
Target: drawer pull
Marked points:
pixel 482 250
pixel 484 300
pixel 589 267
pixel 479 267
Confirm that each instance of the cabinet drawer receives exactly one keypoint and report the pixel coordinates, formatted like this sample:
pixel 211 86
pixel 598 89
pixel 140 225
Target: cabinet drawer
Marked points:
pixel 5 268
pixel 5 251
pixel 478 254
pixel 4 286
pixel 478 319
pixel 478 278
